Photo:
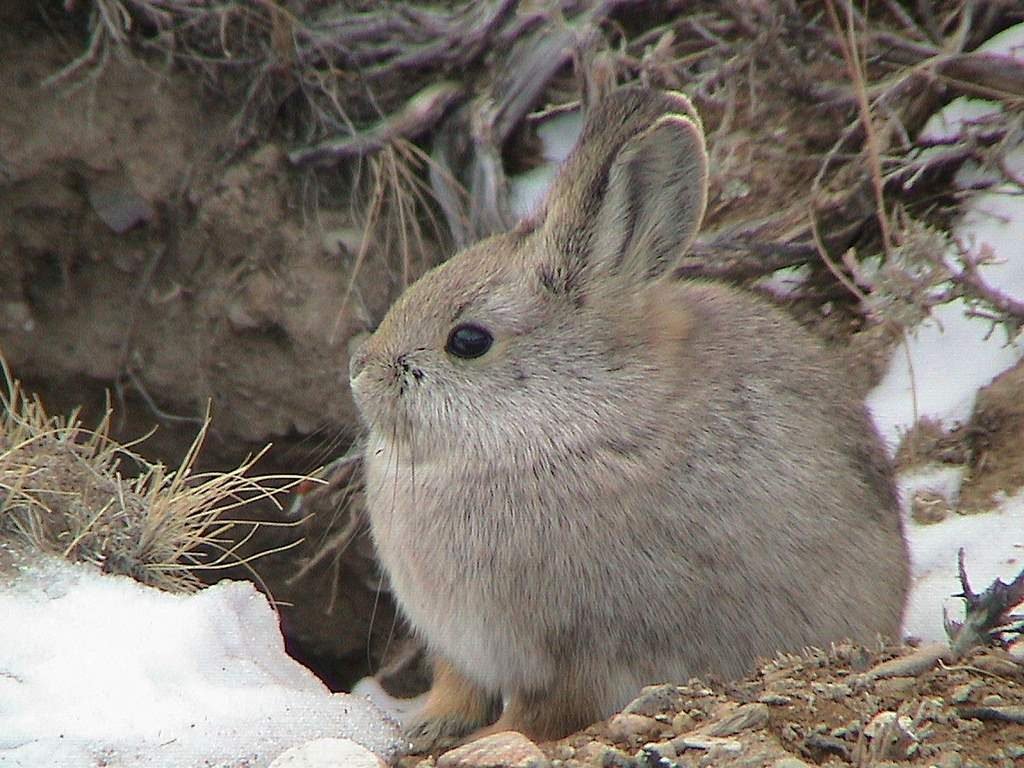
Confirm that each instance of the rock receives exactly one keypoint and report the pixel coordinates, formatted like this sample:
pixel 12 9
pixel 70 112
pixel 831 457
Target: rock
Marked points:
pixel 328 753
pixel 888 736
pixel 928 507
pixel 653 700
pixel 682 723
pixel 614 758
pixel 115 200
pixel 562 752
pixel 709 743
pixel 832 691
pixel 1002 663
pixel 775 699
pixel 962 693
pixel 509 749
pixel 628 726
pixel 744 718
pixel 921 660
pixel 659 753
pixel 595 754
pixel 790 762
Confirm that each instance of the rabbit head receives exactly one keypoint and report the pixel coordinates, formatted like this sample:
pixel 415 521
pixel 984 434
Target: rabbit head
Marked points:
pixel 553 331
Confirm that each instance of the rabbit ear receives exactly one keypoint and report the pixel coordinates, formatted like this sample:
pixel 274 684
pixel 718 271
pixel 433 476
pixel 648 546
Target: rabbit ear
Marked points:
pixel 630 200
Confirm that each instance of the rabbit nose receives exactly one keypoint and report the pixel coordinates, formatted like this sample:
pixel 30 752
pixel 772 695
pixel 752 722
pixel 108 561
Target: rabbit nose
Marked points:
pixel 358 354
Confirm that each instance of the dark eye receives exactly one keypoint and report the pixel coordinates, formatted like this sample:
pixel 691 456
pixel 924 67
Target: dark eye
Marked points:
pixel 468 341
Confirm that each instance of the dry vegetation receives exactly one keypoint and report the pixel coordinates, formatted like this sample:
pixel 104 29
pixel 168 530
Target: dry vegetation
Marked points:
pixel 78 494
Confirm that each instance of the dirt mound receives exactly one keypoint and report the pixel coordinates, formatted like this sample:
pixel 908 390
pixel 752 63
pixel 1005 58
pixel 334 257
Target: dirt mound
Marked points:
pixel 826 708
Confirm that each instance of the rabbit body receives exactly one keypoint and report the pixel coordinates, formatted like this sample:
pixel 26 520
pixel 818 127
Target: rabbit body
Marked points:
pixel 640 480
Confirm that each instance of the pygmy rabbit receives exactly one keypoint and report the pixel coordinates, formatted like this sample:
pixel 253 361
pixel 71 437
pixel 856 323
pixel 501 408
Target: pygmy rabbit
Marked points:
pixel 584 475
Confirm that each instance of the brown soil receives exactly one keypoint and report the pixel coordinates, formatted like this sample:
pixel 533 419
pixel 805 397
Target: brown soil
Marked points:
pixel 825 709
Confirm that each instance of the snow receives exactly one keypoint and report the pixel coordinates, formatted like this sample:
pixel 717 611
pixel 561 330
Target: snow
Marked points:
pixel 950 356
pixel 98 669
pixel 787 282
pixel 939 479
pixel 949 123
pixel 993 545
pixel 937 373
pixel 558 134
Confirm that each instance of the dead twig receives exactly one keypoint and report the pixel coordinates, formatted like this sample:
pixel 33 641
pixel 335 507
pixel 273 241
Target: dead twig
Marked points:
pixel 420 115
pixel 854 65
pixel 970 277
pixel 987 615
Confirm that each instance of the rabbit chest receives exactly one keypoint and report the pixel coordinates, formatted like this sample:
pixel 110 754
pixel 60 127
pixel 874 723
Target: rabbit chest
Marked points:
pixel 447 558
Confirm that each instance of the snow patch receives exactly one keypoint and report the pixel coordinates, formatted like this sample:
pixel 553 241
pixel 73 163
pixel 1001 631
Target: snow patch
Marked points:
pixel 937 373
pixel 940 479
pixel 98 669
pixel 952 355
pixel 993 545
pixel 557 134
pixel 786 283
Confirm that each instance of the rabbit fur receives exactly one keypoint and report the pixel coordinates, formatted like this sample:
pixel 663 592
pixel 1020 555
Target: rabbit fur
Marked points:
pixel 643 479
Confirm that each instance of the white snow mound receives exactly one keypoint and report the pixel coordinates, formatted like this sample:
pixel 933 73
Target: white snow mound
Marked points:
pixel 100 670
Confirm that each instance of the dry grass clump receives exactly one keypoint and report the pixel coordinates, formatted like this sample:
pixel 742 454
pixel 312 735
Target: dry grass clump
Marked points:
pixel 64 491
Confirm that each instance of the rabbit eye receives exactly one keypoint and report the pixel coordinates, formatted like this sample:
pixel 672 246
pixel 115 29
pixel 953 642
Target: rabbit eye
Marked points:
pixel 468 341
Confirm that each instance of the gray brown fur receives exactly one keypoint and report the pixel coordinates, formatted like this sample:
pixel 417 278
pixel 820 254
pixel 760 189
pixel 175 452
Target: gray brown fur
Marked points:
pixel 643 480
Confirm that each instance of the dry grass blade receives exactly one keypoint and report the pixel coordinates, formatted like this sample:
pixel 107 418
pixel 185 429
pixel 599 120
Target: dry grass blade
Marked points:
pixel 63 491
pixel 854 59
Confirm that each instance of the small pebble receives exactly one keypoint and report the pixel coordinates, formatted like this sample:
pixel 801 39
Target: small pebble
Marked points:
pixel 744 718
pixel 501 750
pixel 914 663
pixel 992 700
pixel 775 700
pixel 962 693
pixel 790 762
pixel 328 753
pixel 682 723
pixel 626 727
pixel 652 700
